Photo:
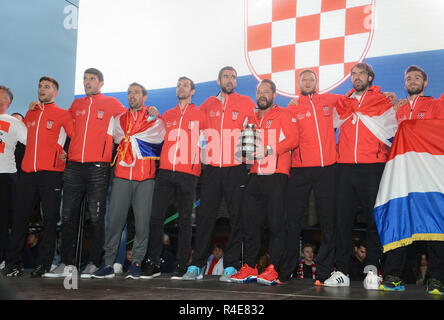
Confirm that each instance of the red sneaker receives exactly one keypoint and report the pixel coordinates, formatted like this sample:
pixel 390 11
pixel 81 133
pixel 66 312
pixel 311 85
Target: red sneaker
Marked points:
pixel 269 277
pixel 245 274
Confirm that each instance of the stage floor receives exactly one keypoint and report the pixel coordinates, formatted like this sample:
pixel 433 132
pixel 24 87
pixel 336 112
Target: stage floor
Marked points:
pixel 162 288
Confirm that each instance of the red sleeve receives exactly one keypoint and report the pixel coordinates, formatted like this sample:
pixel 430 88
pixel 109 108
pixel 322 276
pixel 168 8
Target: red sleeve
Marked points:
pixel 290 128
pixel 68 124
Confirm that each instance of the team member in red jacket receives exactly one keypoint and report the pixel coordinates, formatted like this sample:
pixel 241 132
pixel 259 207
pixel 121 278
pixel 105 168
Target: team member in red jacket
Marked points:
pixel 179 172
pixel 417 105
pixel 42 171
pixel 132 185
pixel 312 168
pixel 264 197
pixel 361 160
pixel 87 171
pixel 226 115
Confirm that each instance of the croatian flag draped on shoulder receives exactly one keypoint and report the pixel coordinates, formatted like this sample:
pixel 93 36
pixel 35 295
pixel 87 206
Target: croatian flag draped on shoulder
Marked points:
pixel 139 139
pixel 376 113
pixel 410 201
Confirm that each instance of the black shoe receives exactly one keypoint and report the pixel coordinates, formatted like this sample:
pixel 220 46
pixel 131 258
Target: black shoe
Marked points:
pixel 151 271
pixel 13 271
pixel 39 271
pixel 178 272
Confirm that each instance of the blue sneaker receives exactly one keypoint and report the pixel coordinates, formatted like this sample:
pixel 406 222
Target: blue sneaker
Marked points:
pixel 193 273
pixel 134 271
pixel 228 272
pixel 104 272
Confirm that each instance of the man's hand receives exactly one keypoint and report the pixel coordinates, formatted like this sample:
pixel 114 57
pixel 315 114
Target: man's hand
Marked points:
pixel 63 156
pixel 399 103
pixel 391 96
pixel 33 104
pixel 152 111
pixel 294 102
pixel 261 151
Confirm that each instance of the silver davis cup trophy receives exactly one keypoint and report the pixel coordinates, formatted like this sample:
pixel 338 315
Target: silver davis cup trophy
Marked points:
pixel 247 143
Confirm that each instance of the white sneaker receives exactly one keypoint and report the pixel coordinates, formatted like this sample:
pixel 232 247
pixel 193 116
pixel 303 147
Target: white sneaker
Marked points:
pixel 2 265
pixel 89 270
pixel 337 279
pixel 372 281
pixel 118 268
pixel 61 271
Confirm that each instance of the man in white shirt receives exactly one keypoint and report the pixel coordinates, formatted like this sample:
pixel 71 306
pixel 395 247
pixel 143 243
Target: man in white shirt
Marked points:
pixel 11 132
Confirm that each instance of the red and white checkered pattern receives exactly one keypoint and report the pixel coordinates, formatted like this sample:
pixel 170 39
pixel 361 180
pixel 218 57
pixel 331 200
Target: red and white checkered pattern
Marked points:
pixel 283 37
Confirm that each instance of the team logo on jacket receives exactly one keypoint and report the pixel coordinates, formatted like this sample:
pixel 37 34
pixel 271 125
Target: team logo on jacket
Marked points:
pixel 214 114
pixel 234 115
pixel 80 112
pixel 30 124
pixel 100 114
pixel 171 123
pixel 421 115
pixel 268 124
pixel 283 38
pixel 49 124
pixel 326 111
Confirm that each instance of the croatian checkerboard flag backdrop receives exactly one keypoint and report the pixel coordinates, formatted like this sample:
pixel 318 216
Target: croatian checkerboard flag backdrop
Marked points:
pixel 286 36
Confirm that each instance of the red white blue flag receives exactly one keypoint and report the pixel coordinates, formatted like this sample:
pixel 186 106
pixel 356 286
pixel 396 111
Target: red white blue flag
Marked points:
pixel 410 201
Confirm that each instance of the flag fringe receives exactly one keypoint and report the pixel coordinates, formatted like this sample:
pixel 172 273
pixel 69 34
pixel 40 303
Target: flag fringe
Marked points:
pixel 414 237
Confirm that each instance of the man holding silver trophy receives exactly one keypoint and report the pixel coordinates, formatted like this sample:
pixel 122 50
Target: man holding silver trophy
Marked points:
pixel 266 144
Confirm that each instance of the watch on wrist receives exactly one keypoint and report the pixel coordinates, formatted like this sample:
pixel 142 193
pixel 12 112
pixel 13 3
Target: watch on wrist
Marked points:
pixel 269 150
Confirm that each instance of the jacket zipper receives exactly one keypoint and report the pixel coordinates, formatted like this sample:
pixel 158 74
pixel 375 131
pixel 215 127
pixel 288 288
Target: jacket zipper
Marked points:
pixel 221 128
pixel 178 135
pixel 37 139
pixel 317 130
pixel 86 130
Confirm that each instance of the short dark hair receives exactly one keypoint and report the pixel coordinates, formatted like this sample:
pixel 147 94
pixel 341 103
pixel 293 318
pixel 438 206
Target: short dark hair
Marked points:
pixel 52 80
pixel 144 91
pixel 225 69
pixel 8 92
pixel 193 87
pixel 307 71
pixel 368 68
pixel 96 72
pixel 271 83
pixel 416 68
pixel 18 114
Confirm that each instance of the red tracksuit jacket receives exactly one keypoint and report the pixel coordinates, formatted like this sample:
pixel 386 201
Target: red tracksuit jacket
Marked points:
pixel 92 140
pixel 317 141
pixel 277 128
pixel 421 108
pixel 48 126
pixel 180 150
pixel 224 122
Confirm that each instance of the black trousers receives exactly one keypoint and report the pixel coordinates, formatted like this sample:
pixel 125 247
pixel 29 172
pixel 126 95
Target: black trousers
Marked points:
pixel 81 180
pixel 47 185
pixel 8 183
pixel 395 260
pixel 356 184
pixel 217 183
pixel 169 183
pixel 264 199
pixel 322 181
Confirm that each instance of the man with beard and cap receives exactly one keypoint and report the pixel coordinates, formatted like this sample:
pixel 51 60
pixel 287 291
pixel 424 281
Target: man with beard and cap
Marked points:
pixel 367 124
pixel 223 176
pixel 42 172
pixel 416 107
pixel 312 168
pixel 264 198
pixel 179 171
pixel 132 185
